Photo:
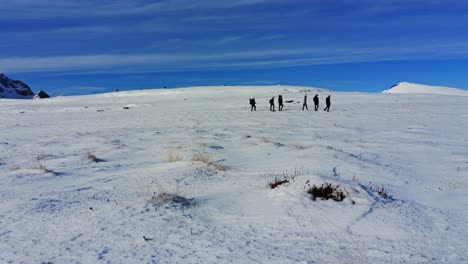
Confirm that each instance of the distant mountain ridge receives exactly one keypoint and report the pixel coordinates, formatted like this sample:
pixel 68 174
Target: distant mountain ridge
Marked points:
pixel 15 89
pixel 413 88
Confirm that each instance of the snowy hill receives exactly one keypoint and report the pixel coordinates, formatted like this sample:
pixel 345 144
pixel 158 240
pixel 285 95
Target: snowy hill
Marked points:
pixel 405 87
pixel 181 176
pixel 14 89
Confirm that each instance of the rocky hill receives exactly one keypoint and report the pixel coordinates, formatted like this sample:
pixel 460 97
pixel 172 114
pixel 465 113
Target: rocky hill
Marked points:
pixel 15 89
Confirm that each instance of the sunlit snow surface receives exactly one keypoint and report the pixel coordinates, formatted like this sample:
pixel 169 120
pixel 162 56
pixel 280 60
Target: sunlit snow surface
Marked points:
pixel 415 146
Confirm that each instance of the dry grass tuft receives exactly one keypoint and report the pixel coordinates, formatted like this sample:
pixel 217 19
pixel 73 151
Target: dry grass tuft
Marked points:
pixel 92 157
pixel 203 157
pixel 355 179
pixel 173 156
pixel 219 166
pixel 41 166
pixel 156 194
pixel 284 174
pixel 14 167
pixel 299 146
pixel 208 160
pixel 43 155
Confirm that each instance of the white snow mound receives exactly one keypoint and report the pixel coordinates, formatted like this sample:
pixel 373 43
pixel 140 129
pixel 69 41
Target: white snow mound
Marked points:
pixel 406 87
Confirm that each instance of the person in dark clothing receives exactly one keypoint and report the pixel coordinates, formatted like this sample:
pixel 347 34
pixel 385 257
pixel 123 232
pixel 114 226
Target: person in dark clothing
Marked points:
pixel 272 104
pixel 304 104
pixel 327 101
pixel 316 102
pixel 252 104
pixel 280 103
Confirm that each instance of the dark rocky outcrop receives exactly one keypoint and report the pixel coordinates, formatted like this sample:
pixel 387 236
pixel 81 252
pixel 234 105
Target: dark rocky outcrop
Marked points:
pixel 41 94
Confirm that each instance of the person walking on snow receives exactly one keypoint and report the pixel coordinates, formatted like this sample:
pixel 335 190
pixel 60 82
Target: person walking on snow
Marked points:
pixel 316 102
pixel 304 104
pixel 252 103
pixel 280 103
pixel 272 104
pixel 328 103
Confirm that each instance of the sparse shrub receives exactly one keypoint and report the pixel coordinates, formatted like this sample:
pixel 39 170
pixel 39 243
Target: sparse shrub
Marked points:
pixel 382 193
pixel 283 178
pixel 326 191
pixel 156 194
pixel 295 174
pixel 149 187
pixel 277 182
pixel 173 156
pixel 284 174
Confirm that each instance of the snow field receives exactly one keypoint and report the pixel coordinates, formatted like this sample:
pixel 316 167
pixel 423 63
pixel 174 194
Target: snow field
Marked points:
pixel 87 212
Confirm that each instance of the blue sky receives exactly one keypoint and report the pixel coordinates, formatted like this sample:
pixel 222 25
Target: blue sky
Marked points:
pixel 85 46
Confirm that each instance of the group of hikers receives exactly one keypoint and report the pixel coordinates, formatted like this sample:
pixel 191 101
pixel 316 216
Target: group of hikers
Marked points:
pixel 253 106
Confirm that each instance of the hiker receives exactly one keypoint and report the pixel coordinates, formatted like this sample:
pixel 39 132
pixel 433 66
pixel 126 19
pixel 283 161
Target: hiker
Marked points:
pixel 252 104
pixel 316 102
pixel 272 104
pixel 280 103
pixel 304 105
pixel 327 101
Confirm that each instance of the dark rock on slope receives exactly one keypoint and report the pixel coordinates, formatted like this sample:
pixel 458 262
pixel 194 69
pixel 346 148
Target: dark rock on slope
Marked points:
pixel 41 94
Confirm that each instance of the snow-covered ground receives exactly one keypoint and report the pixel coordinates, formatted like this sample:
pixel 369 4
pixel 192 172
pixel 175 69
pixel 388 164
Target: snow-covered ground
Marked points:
pixel 57 205
pixel 406 87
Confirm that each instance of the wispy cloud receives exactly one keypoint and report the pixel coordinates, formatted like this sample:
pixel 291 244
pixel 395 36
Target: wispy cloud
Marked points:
pixel 88 8
pixel 109 63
